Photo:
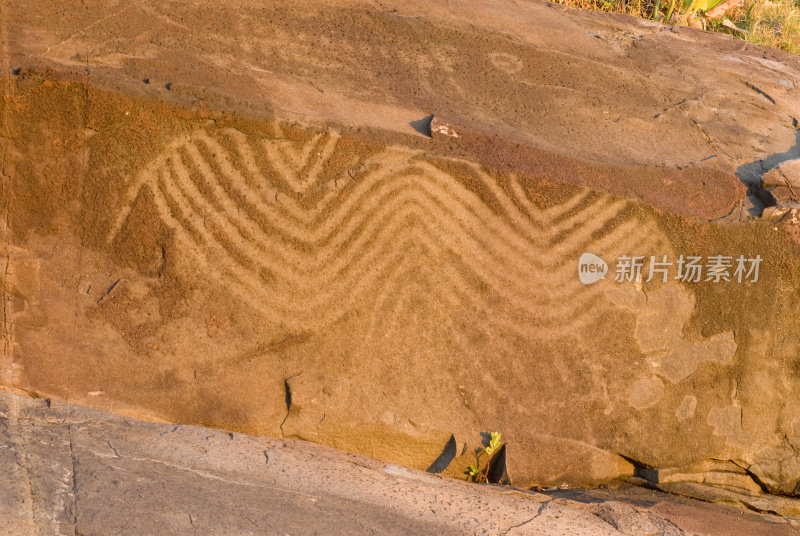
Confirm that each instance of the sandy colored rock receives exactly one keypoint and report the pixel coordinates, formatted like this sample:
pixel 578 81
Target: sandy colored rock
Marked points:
pixel 627 520
pixel 239 228
pixel 713 472
pixel 639 508
pixel 783 194
pixel 87 472
pixel 786 174
pixel 78 470
pixel 782 506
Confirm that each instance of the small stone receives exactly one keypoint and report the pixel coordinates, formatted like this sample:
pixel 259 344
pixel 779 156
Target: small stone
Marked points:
pixel 438 127
pixel 788 173
pixel 775 213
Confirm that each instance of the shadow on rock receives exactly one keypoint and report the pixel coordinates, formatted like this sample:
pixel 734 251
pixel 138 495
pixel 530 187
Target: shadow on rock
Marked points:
pixel 751 174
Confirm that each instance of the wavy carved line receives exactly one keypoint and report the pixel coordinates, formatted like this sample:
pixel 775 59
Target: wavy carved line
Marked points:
pixel 291 306
pixel 333 223
pixel 452 241
pixel 323 259
pixel 293 164
pixel 401 156
pixel 207 210
pixel 246 255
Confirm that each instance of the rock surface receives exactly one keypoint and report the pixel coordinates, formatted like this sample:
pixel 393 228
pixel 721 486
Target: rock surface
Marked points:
pixel 73 470
pixel 238 227
pixel 786 174
pixel 635 509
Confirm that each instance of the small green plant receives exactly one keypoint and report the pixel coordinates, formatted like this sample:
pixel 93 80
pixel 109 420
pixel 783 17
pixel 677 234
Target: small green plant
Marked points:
pixel 474 472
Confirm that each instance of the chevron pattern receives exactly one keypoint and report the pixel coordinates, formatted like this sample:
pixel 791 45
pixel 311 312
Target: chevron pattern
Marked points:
pixel 302 229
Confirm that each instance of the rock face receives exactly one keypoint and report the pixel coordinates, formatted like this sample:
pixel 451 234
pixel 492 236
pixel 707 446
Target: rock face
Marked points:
pixel 73 470
pixel 69 470
pixel 239 228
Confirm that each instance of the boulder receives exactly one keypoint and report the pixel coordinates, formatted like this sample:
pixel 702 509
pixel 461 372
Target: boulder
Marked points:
pixel 239 228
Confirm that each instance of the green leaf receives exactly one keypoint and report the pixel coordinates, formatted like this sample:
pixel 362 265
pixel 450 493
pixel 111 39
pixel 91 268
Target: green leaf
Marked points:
pixel 704 5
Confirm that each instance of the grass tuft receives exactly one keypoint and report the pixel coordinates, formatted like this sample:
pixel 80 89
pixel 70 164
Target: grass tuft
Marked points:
pixel 774 23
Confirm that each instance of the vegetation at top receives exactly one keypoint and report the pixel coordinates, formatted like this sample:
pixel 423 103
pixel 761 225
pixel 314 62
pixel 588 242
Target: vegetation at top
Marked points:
pixel 766 22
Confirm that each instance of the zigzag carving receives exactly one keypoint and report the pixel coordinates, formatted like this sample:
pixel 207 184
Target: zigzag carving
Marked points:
pixel 237 207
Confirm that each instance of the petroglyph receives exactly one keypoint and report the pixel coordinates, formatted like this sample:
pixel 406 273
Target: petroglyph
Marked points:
pixel 282 227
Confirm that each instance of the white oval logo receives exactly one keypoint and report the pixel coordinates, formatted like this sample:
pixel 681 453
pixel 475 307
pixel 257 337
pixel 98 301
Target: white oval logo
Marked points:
pixel 591 268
